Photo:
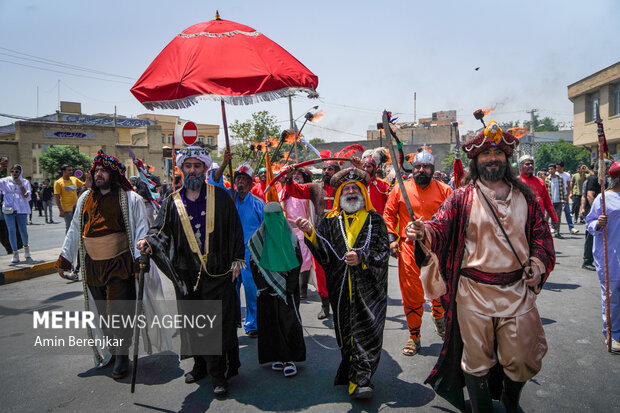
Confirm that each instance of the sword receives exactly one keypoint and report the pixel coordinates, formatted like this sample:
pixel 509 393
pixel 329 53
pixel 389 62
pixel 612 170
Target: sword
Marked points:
pixel 145 261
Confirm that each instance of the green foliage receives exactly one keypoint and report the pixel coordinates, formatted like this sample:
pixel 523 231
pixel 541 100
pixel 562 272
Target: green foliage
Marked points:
pixel 315 141
pixel 548 153
pixel 58 155
pixel 448 161
pixel 545 124
pixel 509 125
pixel 252 130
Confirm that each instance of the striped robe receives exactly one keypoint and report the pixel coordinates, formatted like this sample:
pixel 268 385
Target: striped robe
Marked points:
pixel 359 301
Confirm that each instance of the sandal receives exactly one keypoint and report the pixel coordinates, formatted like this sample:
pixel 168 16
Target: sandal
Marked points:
pixel 411 347
pixel 290 369
pixel 277 366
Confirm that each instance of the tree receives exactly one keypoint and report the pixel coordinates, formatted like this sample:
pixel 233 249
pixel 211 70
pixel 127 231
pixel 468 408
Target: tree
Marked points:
pixel 253 130
pixel 58 155
pixel 316 141
pixel 550 153
pixel 545 124
pixel 448 162
pixel 509 125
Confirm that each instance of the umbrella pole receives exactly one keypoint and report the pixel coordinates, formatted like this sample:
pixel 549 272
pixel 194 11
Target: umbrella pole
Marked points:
pixel 225 123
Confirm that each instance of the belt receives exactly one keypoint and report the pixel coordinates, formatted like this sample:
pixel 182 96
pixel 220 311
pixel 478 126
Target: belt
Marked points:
pixel 500 278
pixel 107 246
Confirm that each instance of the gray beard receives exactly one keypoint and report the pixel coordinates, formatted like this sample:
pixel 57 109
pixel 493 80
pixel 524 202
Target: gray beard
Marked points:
pixel 351 207
pixel 193 182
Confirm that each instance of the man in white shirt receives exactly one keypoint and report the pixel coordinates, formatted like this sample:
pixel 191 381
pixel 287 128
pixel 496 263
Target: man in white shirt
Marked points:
pixel 555 187
pixel 566 177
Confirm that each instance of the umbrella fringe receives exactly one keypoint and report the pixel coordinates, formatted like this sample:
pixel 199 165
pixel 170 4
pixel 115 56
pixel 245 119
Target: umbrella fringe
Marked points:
pixel 232 100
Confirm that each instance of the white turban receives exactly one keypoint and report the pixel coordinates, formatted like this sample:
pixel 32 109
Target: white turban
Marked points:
pixel 525 158
pixel 194 152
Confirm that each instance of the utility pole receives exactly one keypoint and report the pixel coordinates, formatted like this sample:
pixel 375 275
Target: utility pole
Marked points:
pixel 531 112
pixel 414 107
pixel 290 110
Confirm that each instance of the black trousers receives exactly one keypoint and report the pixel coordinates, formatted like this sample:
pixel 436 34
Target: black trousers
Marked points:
pixel 588 257
pixel 117 298
pixel 576 206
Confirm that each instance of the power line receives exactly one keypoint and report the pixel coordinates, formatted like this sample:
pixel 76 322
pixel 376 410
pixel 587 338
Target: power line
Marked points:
pixel 44 60
pixel 66 73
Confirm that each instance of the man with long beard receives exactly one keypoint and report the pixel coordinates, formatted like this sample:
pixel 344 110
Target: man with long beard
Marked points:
pixel 426 196
pixel 494 252
pixel 109 219
pixel 197 241
pixel 352 242
pixel 322 196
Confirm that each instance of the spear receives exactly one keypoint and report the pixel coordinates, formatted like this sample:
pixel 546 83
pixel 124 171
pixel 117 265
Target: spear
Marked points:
pixel 602 170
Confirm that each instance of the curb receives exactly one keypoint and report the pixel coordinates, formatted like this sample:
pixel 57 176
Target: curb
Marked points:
pixel 21 274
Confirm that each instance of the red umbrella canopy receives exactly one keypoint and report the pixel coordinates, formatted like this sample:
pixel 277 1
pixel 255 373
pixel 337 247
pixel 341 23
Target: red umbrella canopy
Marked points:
pixel 221 60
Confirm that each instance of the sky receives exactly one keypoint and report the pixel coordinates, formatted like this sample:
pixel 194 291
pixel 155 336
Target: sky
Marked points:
pixel 368 56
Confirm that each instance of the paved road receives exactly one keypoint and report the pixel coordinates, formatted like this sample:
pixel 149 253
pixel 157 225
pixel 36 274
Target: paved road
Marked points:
pixel 578 374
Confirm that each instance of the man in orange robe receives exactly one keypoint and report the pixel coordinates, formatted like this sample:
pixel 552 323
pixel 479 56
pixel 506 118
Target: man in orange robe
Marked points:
pixel 426 196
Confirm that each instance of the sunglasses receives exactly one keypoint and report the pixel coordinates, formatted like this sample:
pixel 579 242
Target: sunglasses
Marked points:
pixel 15 171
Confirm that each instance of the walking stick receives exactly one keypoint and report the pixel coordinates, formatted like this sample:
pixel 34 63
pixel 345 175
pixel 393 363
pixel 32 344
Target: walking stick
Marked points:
pixel 145 261
pixel 602 150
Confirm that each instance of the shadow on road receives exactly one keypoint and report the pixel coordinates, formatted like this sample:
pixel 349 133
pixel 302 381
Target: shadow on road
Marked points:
pixel 155 369
pixel 259 386
pixel 557 287
pixel 64 296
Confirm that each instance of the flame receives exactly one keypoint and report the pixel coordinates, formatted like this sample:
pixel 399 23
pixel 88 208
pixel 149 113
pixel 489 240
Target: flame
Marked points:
pixel 317 116
pixel 290 137
pixel 273 142
pixel 518 131
pixel 409 157
pixel 487 111
pixel 460 123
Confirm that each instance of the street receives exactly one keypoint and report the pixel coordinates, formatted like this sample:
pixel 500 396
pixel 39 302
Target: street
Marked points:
pixel 578 374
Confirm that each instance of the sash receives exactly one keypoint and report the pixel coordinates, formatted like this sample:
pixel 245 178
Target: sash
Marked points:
pixel 501 278
pixel 187 227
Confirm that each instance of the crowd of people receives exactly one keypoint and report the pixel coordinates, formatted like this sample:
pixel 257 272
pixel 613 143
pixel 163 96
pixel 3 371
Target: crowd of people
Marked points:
pixel 480 250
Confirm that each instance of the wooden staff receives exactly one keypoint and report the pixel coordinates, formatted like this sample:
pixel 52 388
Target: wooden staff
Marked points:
pixel 230 168
pixel 602 172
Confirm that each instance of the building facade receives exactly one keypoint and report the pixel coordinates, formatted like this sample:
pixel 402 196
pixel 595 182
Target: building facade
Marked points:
pixel 24 141
pixel 602 90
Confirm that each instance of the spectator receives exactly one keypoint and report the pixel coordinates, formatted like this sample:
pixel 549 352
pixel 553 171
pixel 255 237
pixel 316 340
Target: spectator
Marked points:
pixel 577 181
pixel 65 192
pixel 539 188
pixel 542 175
pixel 567 191
pixel 592 189
pixel 33 198
pixel 555 187
pixel 16 207
pixel 47 193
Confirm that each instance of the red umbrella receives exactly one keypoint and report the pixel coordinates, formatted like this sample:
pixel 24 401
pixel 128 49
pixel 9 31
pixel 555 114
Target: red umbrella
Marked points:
pixel 221 60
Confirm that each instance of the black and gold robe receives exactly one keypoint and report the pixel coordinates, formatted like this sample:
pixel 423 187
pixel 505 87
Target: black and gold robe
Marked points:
pixel 358 297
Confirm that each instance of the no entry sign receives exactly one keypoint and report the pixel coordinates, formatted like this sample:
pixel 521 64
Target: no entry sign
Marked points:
pixel 187 130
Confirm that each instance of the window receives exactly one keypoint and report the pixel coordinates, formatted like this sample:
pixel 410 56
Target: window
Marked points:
pixel 592 101
pixel 35 166
pixel 201 139
pixel 163 138
pixel 614 99
pixel 210 140
pixel 169 138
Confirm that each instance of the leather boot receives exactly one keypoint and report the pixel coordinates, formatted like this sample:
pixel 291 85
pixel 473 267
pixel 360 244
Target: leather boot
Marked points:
pixel 479 393
pixel 511 395
pixel 303 284
pixel 121 366
pixel 324 313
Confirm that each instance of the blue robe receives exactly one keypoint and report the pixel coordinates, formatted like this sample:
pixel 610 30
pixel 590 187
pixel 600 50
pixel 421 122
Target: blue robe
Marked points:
pixel 251 213
pixel 612 204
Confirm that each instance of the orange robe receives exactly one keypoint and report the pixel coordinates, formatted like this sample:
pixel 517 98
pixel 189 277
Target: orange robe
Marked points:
pixel 425 202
